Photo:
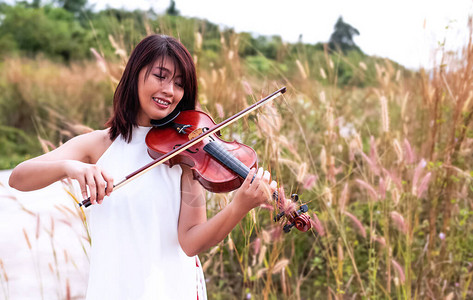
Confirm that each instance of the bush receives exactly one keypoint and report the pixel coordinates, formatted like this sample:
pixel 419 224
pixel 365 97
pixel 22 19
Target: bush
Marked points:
pixel 52 31
pixel 17 146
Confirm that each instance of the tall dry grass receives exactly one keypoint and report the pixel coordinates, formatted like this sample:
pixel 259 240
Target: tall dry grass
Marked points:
pixel 386 172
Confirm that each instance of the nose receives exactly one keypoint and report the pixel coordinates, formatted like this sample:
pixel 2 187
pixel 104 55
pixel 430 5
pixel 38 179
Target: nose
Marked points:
pixel 168 87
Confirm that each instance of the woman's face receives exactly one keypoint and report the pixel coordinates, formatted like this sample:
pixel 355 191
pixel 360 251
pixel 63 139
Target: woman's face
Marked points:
pixel 160 92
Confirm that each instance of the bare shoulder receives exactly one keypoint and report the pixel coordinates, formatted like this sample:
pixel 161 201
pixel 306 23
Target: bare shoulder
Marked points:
pixel 86 147
pixel 96 136
pixel 93 144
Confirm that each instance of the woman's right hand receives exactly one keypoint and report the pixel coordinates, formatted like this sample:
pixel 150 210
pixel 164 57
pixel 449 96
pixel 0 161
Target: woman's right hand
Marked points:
pixel 75 159
pixel 90 177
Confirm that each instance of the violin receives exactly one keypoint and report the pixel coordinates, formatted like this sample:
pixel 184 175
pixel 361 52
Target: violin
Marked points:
pixel 219 166
pixel 192 138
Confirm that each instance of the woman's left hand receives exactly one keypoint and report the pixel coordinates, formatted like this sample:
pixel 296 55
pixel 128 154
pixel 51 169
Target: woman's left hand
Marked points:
pixel 256 190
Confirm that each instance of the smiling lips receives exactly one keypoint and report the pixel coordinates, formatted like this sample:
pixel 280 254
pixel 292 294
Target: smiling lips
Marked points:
pixel 161 102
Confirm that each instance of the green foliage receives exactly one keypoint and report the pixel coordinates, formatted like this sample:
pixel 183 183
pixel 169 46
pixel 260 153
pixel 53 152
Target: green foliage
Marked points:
pixel 178 26
pixel 342 37
pixel 349 72
pixel 172 10
pixel 49 30
pixel 127 28
pixel 268 47
pixel 8 45
pixel 16 146
pixel 258 64
pixel 74 6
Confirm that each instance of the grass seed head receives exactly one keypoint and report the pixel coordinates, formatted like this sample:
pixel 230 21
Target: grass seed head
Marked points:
pixel 343 198
pixel 280 265
pixel 301 69
pixel 366 186
pixel 399 271
pixel 408 153
pixel 27 239
pixel 398 221
pixel 358 225
pixel 423 185
pixel 317 225
pixel 384 113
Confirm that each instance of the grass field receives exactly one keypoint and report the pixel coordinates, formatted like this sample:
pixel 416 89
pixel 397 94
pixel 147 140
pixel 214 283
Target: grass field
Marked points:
pixel 386 170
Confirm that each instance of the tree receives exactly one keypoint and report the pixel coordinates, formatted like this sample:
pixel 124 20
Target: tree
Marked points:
pixel 342 37
pixel 171 10
pixel 74 6
pixel 49 30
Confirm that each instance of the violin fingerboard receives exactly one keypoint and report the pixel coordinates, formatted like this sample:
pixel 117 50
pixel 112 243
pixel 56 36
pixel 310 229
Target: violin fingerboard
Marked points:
pixel 219 153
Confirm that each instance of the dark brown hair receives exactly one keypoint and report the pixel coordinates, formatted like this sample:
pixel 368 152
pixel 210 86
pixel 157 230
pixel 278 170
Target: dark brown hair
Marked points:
pixel 126 101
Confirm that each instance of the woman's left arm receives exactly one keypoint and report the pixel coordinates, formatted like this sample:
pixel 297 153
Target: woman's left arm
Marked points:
pixel 196 233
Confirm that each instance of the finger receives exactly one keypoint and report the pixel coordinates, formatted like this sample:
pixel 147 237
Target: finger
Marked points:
pixel 266 176
pixel 101 185
pixel 83 188
pixel 90 181
pixel 249 178
pixel 273 186
pixel 109 181
pixel 256 180
pixel 260 173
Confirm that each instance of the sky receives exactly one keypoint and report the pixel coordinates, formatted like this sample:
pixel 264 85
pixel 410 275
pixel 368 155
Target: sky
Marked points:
pixel 406 31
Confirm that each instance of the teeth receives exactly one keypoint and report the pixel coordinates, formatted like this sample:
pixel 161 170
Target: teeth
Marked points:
pixel 161 101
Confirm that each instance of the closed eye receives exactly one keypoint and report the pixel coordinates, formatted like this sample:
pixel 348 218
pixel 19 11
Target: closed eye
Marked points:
pixel 166 77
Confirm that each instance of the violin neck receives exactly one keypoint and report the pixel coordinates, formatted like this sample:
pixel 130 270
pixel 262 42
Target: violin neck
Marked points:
pixel 217 151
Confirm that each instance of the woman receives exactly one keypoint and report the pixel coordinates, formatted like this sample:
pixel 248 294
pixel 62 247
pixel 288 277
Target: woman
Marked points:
pixel 147 235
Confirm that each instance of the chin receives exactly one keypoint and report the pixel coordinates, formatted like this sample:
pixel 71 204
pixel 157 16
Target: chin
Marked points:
pixel 160 116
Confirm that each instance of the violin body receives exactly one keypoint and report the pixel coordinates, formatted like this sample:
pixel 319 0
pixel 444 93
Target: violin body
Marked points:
pixel 218 165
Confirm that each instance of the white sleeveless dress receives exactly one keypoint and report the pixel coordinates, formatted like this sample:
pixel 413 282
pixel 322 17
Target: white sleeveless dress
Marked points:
pixel 135 251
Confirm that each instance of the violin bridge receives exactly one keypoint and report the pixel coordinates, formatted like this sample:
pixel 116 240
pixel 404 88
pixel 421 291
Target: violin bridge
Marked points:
pixel 197 132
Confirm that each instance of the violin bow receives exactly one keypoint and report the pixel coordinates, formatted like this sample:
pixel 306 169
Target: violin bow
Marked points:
pixel 192 142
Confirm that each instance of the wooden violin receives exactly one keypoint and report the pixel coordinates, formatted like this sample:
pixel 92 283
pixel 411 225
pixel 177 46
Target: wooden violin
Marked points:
pixel 219 166
pixel 192 138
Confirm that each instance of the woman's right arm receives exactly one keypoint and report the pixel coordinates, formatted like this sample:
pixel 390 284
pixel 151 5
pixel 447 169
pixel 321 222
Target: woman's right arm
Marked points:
pixel 72 160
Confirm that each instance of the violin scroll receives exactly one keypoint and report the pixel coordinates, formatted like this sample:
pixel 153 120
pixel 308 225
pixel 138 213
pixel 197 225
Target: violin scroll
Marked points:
pixel 295 218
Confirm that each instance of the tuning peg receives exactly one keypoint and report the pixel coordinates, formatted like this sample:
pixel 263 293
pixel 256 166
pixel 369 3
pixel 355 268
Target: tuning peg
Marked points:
pixel 297 219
